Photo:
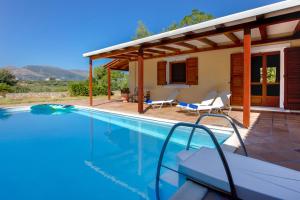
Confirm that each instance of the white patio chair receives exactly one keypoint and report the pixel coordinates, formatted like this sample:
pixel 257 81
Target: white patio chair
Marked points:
pixel 220 103
pixel 169 100
pixel 207 101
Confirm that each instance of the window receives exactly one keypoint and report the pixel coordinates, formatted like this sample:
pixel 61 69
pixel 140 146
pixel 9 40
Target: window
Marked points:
pixel 273 75
pixel 273 68
pixel 256 75
pixel 178 72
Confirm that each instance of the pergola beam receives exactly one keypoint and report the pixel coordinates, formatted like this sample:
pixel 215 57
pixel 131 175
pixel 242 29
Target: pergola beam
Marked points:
pixel 168 48
pixel 271 40
pixel 154 51
pixel 114 53
pixel 235 28
pixel 118 64
pixel 208 42
pixel 263 32
pixel 112 62
pixel 231 36
pixel 132 54
pixel 135 54
pixel 122 56
pixel 297 29
pixel 186 45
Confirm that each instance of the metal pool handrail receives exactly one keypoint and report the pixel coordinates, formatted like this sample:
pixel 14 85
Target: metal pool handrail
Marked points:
pixel 219 149
pixel 219 116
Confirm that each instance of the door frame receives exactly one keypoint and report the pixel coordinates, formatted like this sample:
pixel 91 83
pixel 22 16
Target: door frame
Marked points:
pixel 273 48
pixel 264 81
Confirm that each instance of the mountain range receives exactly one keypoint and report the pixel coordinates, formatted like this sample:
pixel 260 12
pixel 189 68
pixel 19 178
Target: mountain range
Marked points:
pixel 43 72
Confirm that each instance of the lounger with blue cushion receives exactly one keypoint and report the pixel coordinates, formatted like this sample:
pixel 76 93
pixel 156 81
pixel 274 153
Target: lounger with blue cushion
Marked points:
pixel 208 100
pixel 217 105
pixel 182 105
pixel 170 100
pixel 253 179
pixel 220 103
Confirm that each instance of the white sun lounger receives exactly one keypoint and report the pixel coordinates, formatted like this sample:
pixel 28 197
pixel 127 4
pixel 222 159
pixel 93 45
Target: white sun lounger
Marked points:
pixel 217 105
pixel 170 100
pixel 253 179
pixel 221 102
pixel 208 100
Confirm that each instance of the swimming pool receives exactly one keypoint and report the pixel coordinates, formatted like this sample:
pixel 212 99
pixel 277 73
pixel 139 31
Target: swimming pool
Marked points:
pixel 83 154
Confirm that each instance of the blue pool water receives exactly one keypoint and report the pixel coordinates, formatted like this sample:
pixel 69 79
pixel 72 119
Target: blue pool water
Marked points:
pixel 83 154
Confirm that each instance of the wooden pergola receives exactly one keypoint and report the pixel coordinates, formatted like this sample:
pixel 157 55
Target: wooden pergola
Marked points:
pixel 238 30
pixel 117 64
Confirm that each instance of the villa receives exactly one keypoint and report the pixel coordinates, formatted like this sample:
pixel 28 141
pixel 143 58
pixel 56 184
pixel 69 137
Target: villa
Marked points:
pixel 236 53
pixel 252 56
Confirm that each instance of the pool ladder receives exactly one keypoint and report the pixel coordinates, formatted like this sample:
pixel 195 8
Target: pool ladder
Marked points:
pixel 205 129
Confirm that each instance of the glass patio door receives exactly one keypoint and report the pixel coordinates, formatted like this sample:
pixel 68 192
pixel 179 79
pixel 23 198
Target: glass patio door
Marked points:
pixel 265 79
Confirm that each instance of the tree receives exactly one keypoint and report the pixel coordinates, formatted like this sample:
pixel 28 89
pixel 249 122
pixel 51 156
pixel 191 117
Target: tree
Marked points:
pixel 195 17
pixel 172 27
pixel 7 77
pixel 4 88
pixel 99 73
pixel 141 31
pixel 119 79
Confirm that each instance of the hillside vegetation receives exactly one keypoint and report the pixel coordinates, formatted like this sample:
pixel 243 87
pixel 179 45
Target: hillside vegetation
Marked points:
pixel 10 84
pixel 40 72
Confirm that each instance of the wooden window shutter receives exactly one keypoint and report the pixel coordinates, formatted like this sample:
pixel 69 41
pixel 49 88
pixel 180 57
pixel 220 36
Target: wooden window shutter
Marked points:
pixel 237 79
pixel 192 71
pixel 161 73
pixel 292 77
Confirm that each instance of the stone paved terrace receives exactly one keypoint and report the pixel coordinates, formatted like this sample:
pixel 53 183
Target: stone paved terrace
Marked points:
pixel 273 136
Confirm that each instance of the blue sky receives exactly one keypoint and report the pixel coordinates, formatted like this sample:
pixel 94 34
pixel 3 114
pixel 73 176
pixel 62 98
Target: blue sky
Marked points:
pixel 57 32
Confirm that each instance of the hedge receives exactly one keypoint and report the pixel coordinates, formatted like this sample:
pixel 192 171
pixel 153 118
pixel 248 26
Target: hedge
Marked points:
pixel 82 89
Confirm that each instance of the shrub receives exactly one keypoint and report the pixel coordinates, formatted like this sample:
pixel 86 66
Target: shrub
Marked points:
pixel 7 77
pixel 4 88
pixel 82 89
pixel 125 90
pixel 20 89
pixel 78 89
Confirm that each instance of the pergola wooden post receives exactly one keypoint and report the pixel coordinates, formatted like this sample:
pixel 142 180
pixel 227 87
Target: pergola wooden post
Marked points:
pixel 108 83
pixel 140 81
pixel 247 77
pixel 91 82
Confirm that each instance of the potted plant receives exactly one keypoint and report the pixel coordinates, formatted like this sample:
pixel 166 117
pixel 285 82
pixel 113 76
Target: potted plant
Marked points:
pixel 125 94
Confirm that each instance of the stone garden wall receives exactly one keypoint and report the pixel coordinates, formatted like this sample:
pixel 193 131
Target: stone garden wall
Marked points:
pixel 37 95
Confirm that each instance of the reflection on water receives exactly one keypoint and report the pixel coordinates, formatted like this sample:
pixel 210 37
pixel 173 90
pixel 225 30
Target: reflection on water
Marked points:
pixel 124 164
pixel 51 109
pixel 128 157
pixel 4 114
pixel 115 180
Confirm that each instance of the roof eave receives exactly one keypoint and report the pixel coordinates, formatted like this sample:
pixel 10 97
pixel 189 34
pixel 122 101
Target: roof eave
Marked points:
pixel 241 17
